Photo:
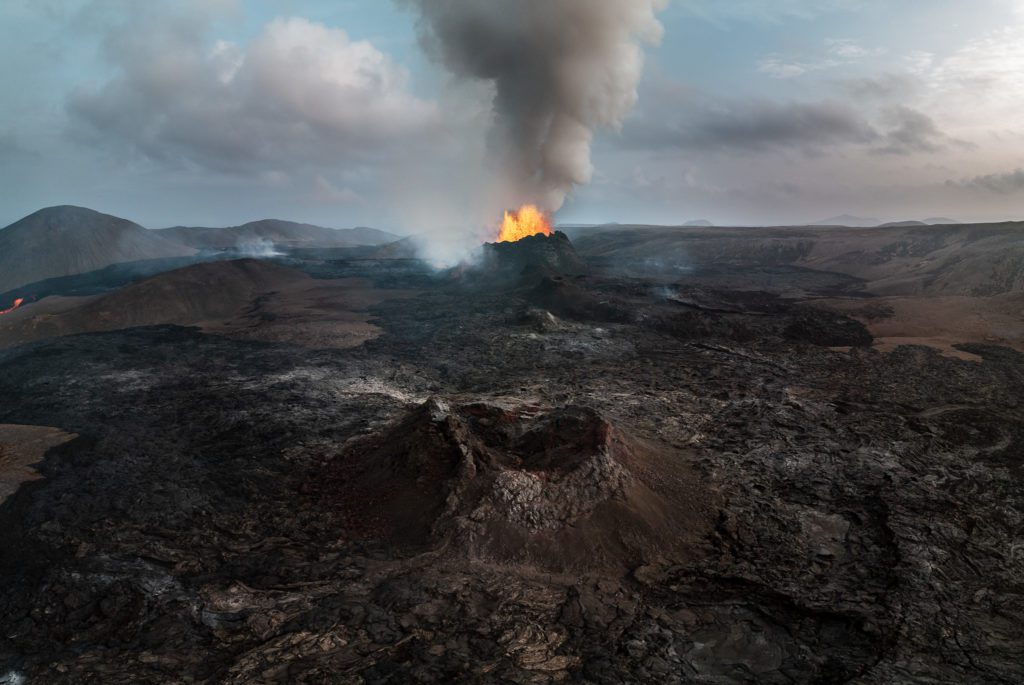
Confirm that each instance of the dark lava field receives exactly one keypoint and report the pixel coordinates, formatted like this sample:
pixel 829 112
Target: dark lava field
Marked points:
pixel 591 465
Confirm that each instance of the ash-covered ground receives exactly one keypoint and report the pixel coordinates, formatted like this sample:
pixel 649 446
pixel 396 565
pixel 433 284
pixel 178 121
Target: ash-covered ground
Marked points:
pixel 539 471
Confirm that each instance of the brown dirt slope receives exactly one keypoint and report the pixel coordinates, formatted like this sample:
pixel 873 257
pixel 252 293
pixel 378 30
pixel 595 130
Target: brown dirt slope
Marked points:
pixel 20 448
pixel 245 298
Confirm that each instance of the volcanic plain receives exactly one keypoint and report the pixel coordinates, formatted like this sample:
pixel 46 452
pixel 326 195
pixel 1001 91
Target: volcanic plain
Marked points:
pixel 623 455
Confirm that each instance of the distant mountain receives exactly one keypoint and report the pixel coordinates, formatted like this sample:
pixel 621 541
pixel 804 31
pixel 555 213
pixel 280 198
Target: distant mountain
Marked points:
pixel 847 220
pixel 942 221
pixel 256 235
pixel 903 224
pixel 66 240
pixel 699 223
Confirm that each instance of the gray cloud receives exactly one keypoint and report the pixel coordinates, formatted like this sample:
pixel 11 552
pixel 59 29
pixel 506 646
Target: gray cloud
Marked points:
pixel 764 124
pixel 911 131
pixel 1001 184
pixel 674 116
pixel 300 94
pixel 881 87
pixel 11 146
pixel 689 121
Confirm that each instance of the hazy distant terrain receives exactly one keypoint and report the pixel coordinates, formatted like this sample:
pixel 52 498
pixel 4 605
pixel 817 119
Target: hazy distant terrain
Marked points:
pixel 67 241
pixel 59 241
pixel 983 259
pixel 938 285
pixel 274 232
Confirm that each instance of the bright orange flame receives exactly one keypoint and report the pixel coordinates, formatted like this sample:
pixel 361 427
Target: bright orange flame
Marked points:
pixel 524 223
pixel 17 303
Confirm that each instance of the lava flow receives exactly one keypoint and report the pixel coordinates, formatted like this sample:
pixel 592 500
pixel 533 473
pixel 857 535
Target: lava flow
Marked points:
pixel 17 303
pixel 523 223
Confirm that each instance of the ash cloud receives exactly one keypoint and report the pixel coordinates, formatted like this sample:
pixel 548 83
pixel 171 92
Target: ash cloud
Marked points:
pixel 691 121
pixel 911 131
pixel 561 69
pixel 678 117
pixel 1008 183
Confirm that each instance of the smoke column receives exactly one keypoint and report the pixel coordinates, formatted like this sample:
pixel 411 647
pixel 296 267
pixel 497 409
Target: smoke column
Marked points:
pixel 561 69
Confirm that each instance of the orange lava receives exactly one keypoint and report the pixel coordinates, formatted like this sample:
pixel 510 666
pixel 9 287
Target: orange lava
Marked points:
pixel 525 222
pixel 17 303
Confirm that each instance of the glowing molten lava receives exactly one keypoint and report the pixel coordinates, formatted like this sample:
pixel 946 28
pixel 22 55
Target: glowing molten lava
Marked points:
pixel 524 223
pixel 17 303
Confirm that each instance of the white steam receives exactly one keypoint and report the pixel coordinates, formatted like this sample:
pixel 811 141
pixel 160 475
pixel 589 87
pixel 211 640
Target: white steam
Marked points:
pixel 258 248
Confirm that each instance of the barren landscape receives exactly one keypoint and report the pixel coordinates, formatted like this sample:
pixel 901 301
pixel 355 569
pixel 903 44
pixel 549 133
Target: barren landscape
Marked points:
pixel 630 455
pixel 501 343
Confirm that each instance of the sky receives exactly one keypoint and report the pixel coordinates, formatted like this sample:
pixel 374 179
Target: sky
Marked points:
pixel 749 112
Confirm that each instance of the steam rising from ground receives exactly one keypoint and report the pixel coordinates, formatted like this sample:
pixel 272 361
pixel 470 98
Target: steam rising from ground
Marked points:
pixel 258 248
pixel 561 69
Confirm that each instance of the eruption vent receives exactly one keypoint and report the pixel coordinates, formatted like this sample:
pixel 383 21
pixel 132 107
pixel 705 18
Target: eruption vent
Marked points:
pixel 17 303
pixel 524 223
pixel 561 69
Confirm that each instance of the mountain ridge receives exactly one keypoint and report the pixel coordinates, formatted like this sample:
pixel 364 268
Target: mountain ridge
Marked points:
pixel 65 240
pixel 280 232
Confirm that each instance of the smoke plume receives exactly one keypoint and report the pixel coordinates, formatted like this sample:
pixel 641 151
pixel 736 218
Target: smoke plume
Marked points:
pixel 561 69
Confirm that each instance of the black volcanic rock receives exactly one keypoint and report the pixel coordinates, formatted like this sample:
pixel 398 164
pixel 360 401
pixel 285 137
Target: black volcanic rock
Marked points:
pixel 827 329
pixel 566 298
pixel 66 240
pixel 240 511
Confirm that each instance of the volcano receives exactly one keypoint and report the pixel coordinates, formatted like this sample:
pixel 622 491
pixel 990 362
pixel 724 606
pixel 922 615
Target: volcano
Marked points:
pixel 559 487
pixel 534 256
pixel 66 240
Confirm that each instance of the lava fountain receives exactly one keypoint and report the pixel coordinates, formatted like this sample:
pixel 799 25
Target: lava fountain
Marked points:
pixel 527 221
pixel 17 303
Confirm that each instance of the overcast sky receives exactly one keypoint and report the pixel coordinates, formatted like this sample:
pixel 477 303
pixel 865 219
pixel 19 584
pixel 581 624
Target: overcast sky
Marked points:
pixel 217 112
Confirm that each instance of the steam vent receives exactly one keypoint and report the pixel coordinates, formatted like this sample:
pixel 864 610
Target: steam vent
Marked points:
pixel 562 487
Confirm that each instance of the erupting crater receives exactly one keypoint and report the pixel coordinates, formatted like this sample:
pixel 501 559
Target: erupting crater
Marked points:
pixel 560 488
pixel 527 221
